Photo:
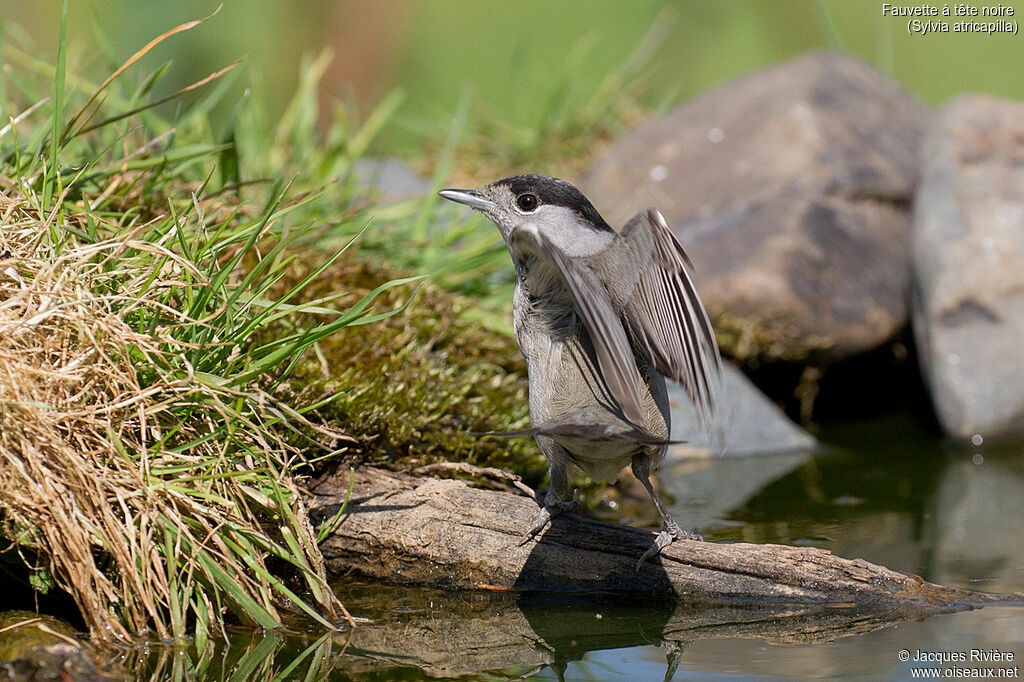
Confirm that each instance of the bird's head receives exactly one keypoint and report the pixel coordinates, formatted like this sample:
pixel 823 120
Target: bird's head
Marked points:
pixel 557 208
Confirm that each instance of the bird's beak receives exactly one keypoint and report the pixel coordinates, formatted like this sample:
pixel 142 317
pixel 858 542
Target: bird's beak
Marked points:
pixel 469 197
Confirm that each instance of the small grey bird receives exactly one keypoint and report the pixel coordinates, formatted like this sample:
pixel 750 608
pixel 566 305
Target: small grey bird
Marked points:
pixel 601 317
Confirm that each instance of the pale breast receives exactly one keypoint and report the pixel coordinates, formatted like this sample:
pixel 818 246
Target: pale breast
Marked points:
pixel 565 388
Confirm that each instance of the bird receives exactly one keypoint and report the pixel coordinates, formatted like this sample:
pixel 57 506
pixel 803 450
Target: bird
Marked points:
pixel 602 317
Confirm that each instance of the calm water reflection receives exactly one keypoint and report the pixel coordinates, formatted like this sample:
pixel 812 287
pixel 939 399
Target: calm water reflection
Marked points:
pixel 951 514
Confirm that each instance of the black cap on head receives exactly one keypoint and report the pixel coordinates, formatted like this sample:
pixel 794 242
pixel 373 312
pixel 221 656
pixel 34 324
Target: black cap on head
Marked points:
pixel 557 193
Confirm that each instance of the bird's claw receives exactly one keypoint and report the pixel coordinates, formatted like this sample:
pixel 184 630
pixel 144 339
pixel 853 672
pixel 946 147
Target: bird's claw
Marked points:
pixel 547 513
pixel 542 520
pixel 664 539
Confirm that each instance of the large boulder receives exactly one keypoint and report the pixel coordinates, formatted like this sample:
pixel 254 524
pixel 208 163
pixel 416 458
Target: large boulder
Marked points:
pixel 789 188
pixel 968 253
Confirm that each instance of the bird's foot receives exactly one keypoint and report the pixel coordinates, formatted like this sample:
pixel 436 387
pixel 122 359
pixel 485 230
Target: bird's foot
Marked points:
pixel 674 651
pixel 664 539
pixel 548 512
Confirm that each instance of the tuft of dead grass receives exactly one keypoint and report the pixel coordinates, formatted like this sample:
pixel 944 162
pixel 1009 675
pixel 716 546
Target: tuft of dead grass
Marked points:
pixel 144 535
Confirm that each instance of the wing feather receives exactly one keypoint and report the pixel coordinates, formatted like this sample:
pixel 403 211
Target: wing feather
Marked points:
pixel 666 316
pixel 593 304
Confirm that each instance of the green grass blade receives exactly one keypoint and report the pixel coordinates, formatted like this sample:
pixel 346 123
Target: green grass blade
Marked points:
pixel 455 132
pixel 316 647
pixel 58 106
pixel 262 572
pixel 243 605
pixel 327 527
pixel 261 655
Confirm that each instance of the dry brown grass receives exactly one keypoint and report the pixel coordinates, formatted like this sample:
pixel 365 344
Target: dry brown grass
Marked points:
pixel 145 538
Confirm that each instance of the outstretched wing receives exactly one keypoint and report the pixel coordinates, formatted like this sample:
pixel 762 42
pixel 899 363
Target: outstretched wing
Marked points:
pixel 593 304
pixel 665 315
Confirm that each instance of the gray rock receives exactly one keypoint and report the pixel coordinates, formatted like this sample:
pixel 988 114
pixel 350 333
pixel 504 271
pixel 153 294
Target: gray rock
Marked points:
pixel 389 178
pixel 390 181
pixel 968 258
pixel 789 188
pixel 753 424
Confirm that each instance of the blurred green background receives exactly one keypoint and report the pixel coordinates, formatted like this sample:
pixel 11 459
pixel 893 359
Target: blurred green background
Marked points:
pixel 515 59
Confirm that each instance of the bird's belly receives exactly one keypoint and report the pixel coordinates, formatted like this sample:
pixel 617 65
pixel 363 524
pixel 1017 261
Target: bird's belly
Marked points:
pixel 565 380
pixel 601 459
pixel 565 388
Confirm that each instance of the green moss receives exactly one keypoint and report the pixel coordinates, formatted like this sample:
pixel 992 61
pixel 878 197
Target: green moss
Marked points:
pixel 763 339
pixel 22 633
pixel 410 389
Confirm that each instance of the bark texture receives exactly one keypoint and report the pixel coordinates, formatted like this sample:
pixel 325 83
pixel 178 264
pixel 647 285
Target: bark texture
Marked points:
pixel 444 533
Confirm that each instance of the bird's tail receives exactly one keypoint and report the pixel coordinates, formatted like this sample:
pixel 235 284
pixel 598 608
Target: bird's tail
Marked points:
pixel 621 431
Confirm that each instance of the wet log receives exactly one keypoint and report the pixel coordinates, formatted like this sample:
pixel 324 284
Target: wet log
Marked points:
pixel 406 529
pixel 474 633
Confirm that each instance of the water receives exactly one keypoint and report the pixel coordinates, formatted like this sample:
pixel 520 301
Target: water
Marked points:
pixel 884 491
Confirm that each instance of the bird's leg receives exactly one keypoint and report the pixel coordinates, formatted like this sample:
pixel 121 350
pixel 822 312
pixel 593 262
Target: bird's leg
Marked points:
pixel 554 504
pixel 669 528
pixel 556 501
pixel 673 655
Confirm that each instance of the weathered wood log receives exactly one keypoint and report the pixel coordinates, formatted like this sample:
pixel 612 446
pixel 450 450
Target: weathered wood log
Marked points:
pixel 405 529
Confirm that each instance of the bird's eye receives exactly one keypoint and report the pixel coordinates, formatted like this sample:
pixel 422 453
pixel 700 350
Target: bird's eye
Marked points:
pixel 527 202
